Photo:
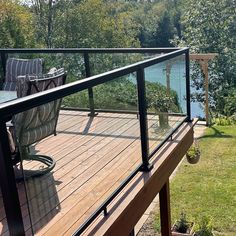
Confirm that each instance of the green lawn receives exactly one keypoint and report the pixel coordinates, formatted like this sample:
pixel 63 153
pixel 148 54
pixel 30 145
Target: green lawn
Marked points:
pixel 209 187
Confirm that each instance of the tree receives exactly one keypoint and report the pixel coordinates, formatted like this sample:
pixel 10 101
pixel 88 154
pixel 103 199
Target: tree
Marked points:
pixel 45 19
pixel 158 22
pixel 83 24
pixel 209 26
pixel 164 32
pixel 16 28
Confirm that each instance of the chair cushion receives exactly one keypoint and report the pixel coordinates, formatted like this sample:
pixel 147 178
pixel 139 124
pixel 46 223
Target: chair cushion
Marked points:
pixel 39 122
pixel 16 67
pixel 31 84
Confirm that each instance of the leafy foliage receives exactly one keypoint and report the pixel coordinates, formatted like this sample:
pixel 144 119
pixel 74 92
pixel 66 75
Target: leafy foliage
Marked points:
pixel 158 22
pixel 193 151
pixel 121 94
pixel 209 26
pixel 204 228
pixel 182 225
pixel 228 102
pixel 223 121
pixel 205 26
pixel 82 24
pixel 16 28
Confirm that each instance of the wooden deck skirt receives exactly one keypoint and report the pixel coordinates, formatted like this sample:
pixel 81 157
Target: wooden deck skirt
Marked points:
pixel 94 155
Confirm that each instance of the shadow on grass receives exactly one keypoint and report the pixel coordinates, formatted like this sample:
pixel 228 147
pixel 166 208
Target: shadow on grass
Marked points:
pixel 216 134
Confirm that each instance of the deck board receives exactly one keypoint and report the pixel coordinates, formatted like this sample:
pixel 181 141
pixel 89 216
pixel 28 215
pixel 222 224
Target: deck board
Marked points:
pixel 93 156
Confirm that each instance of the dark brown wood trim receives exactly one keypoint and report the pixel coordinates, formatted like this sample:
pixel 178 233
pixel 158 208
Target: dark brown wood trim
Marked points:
pixel 164 199
pixel 131 204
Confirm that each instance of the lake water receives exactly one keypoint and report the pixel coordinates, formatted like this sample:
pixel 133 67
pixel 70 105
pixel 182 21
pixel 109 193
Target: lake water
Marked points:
pixel 157 73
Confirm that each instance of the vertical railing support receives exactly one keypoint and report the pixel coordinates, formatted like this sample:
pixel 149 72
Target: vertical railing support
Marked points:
pixel 142 105
pixel 168 71
pixel 3 62
pixel 8 186
pixel 90 90
pixel 132 233
pixel 164 199
pixel 204 67
pixel 187 73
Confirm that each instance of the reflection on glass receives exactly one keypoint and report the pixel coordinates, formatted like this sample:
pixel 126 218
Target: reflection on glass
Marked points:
pixel 165 92
pixel 118 94
pixel 93 156
pixel 3 219
pixel 111 61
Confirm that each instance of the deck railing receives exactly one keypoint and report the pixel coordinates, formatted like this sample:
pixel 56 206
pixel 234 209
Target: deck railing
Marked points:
pixel 137 70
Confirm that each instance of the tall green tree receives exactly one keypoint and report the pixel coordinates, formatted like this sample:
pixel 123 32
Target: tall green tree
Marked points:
pixel 16 25
pixel 209 26
pixel 83 24
pixel 46 17
pixel 158 21
pixel 164 32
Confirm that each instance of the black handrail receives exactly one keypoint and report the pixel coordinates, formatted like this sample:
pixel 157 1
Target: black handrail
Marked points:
pixel 88 50
pixel 7 110
pixel 85 52
pixel 16 106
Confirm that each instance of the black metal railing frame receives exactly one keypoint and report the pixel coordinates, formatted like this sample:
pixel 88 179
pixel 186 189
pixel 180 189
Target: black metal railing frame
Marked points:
pixel 7 110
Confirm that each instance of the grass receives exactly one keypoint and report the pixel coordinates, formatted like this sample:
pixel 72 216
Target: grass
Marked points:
pixel 209 187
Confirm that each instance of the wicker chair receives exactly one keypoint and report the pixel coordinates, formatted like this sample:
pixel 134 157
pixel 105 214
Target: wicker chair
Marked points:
pixel 39 122
pixel 16 67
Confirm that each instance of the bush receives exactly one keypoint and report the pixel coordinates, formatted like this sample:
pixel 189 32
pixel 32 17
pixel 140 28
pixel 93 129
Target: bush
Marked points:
pixel 223 121
pixel 182 225
pixel 204 228
pixel 121 93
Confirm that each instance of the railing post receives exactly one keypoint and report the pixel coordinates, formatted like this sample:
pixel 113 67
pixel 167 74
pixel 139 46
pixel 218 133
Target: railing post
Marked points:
pixel 164 199
pixel 90 90
pixel 3 62
pixel 142 105
pixel 187 72
pixel 132 233
pixel 8 186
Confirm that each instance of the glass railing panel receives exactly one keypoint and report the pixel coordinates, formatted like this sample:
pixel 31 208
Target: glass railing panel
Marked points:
pixel 118 94
pixel 110 61
pixel 103 62
pixel 76 101
pixel 197 91
pixel 20 187
pixel 93 155
pixel 177 70
pixel 73 63
pixel 3 219
pixel 166 98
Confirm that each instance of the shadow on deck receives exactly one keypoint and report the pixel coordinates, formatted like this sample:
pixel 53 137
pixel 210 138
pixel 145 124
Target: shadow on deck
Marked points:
pixel 93 156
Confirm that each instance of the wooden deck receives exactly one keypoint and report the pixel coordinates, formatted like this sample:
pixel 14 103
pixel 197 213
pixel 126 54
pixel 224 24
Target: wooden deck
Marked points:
pixel 94 155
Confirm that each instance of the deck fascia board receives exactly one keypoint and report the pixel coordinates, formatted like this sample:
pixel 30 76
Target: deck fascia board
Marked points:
pixel 128 208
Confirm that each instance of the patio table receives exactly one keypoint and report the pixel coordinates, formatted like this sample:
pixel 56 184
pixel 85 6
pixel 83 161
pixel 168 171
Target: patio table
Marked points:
pixel 6 96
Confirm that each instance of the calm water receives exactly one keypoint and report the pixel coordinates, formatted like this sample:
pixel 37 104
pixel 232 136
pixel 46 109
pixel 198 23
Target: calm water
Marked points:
pixel 157 73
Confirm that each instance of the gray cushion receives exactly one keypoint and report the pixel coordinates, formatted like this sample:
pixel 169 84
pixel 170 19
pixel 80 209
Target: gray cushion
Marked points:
pixel 30 84
pixel 39 122
pixel 16 67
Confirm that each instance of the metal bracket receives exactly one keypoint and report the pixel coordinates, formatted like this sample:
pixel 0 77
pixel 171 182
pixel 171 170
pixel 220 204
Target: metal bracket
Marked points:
pixel 146 168
pixel 92 114
pixel 105 212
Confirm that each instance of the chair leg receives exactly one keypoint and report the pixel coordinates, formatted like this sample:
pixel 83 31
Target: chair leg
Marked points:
pixel 47 161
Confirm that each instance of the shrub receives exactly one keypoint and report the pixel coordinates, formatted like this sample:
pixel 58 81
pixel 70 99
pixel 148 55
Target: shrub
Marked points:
pixel 223 121
pixel 204 228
